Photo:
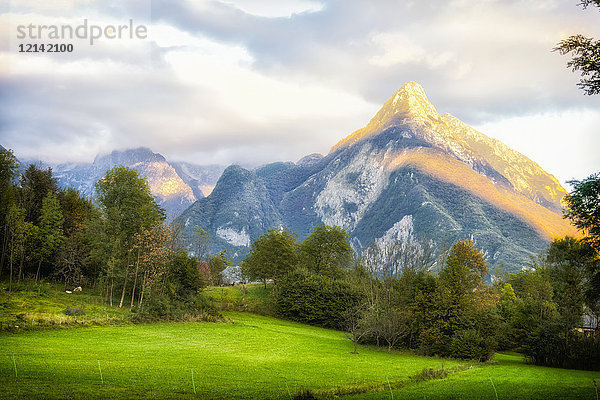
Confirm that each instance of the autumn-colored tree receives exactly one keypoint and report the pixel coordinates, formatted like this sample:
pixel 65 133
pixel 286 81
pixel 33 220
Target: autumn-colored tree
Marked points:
pixel 126 207
pixel 152 252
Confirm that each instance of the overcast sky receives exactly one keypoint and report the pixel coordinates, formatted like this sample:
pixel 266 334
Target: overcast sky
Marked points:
pixel 255 81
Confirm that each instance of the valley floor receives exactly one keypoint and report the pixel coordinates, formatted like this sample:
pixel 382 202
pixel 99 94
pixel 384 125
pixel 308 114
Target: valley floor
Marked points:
pixel 249 358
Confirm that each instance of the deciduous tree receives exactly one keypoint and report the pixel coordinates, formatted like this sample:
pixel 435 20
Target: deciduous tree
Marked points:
pixel 585 56
pixel 271 256
pixel 326 251
pixel 584 208
pixel 127 207
pixel 8 173
pixel 50 230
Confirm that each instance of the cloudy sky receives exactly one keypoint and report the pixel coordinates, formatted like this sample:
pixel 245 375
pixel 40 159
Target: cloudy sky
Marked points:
pixel 255 81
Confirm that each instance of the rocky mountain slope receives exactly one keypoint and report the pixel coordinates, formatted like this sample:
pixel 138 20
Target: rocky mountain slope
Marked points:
pixel 411 173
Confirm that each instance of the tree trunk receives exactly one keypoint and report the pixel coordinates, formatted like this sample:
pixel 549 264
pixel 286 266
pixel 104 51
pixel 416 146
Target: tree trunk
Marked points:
pixel 106 297
pixel 21 263
pixel 4 247
pixel 124 286
pixel 112 283
pixel 142 290
pixel 37 274
pixel 12 250
pixel 137 267
pixel 355 340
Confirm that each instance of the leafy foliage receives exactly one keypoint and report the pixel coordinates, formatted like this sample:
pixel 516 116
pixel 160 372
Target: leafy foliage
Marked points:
pixel 470 344
pixel 326 251
pixel 584 208
pixel 271 256
pixel 315 299
pixel 585 56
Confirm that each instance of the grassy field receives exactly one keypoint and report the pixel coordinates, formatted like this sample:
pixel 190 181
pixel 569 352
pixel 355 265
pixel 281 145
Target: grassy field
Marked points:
pixel 252 297
pixel 253 357
pixel 508 376
pixel 30 304
pixel 250 357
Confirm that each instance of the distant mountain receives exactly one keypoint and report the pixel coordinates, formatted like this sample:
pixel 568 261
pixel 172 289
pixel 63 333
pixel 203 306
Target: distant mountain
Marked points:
pixel 169 183
pixel 201 178
pixel 410 173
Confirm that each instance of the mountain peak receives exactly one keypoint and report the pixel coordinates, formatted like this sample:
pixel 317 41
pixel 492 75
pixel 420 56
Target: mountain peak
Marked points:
pixel 408 103
pixel 129 157
pixel 409 100
pixel 411 87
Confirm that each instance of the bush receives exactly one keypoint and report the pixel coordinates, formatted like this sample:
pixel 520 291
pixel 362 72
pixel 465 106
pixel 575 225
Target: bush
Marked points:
pixel 304 394
pixel 314 299
pixel 469 344
pixel 157 306
pixel 73 311
pixel 551 346
pixel 429 373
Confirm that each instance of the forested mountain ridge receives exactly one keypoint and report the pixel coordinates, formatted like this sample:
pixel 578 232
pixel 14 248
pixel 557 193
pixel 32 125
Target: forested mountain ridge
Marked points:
pixel 411 173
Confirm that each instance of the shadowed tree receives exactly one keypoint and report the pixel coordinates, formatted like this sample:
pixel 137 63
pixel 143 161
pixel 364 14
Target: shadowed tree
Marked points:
pixel 216 265
pixel 462 280
pixel 36 183
pixel 19 231
pixel 50 231
pixel 8 174
pixel 202 239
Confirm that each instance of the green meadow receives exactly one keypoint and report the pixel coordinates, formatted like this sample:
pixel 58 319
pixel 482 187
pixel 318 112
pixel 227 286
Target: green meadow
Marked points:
pixel 252 357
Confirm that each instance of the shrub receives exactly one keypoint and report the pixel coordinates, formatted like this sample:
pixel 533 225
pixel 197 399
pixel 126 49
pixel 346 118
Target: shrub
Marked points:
pixel 304 394
pixel 549 345
pixel 314 299
pixel 73 311
pixel 429 373
pixel 469 344
pixel 157 307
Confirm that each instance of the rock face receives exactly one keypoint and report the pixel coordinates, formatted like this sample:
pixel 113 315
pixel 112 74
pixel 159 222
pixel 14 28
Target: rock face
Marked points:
pixel 201 178
pixel 237 212
pixel 173 187
pixel 411 173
